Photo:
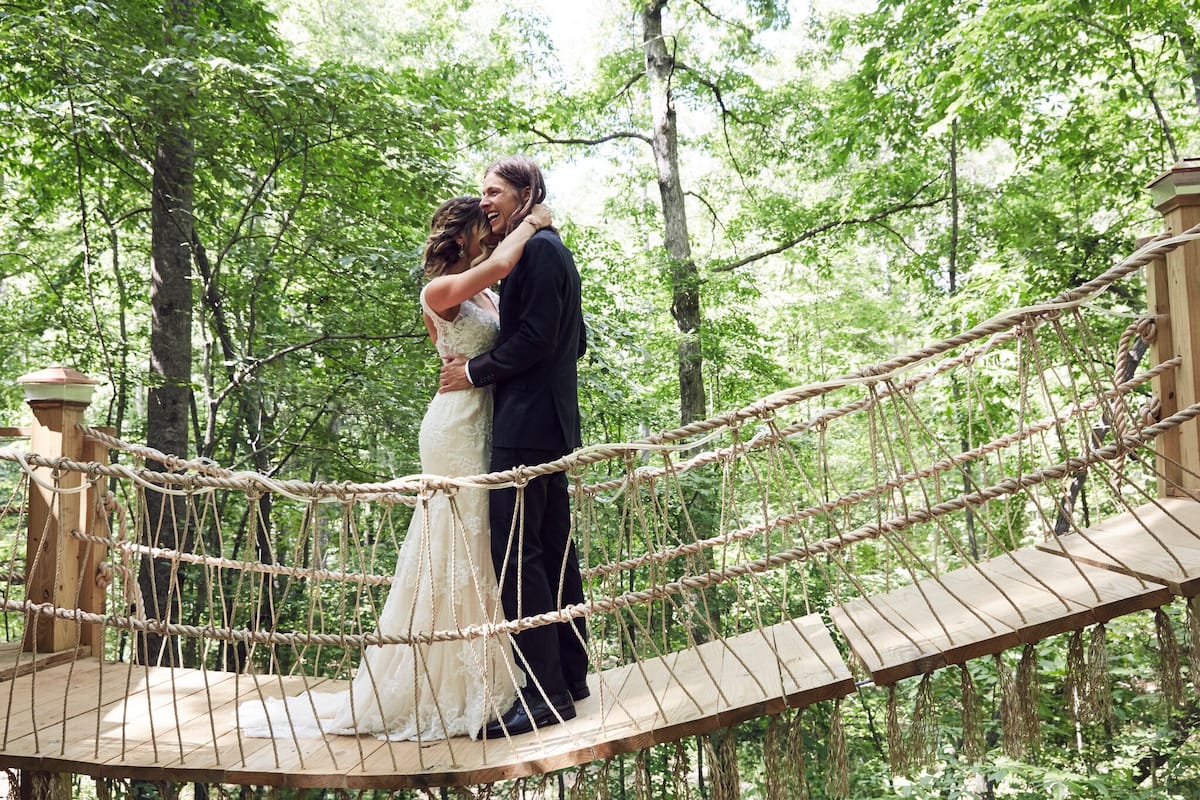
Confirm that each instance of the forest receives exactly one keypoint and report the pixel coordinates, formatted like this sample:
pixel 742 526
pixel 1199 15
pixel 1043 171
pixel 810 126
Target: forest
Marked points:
pixel 218 208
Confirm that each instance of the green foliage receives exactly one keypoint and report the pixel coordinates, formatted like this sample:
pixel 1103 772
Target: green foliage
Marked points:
pixel 819 156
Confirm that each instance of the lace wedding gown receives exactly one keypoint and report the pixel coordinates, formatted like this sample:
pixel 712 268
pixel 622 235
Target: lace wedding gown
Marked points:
pixel 444 580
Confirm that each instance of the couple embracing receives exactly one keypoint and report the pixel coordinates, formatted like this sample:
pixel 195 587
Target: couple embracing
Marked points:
pixel 507 397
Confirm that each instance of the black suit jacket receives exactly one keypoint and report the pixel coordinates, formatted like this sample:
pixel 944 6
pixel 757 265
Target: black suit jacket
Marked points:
pixel 533 363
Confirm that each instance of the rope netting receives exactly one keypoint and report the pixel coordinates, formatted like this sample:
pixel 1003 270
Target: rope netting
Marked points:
pixel 1034 425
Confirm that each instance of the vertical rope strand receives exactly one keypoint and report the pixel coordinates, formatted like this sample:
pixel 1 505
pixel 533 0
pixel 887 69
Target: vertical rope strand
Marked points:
pixel 924 731
pixel 1099 680
pixel 1028 693
pixel 838 777
pixel 1076 684
pixel 773 777
pixel 972 716
pixel 1169 676
pixel 897 753
pixel 797 778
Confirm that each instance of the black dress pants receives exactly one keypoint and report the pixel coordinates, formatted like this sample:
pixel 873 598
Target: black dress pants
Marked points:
pixel 531 549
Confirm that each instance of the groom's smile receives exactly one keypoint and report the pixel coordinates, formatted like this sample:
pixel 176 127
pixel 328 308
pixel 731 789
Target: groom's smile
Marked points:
pixel 499 202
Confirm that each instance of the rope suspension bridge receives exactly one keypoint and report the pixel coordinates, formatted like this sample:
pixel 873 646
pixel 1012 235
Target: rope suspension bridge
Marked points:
pixel 828 537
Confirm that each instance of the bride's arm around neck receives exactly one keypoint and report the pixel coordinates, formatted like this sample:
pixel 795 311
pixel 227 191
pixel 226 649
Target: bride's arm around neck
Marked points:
pixel 447 291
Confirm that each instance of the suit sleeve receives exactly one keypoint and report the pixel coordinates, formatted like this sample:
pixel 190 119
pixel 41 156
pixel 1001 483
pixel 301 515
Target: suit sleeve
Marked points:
pixel 538 288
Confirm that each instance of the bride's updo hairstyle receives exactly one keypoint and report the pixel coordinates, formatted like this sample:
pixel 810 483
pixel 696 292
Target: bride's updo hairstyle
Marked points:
pixel 458 216
pixel 522 174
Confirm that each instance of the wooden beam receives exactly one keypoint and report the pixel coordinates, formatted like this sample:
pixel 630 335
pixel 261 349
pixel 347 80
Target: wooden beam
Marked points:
pixel 1176 195
pixel 57 396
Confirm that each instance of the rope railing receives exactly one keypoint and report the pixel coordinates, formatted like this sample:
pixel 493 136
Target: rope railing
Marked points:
pixel 710 579
pixel 204 476
pixel 640 474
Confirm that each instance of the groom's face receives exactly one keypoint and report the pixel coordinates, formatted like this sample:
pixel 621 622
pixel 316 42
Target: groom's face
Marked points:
pixel 500 201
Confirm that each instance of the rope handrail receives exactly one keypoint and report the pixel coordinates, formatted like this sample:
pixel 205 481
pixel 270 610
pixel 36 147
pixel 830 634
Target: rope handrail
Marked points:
pixel 731 537
pixel 710 578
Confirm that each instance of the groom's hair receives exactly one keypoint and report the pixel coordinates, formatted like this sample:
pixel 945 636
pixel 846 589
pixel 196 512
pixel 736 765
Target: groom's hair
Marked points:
pixel 523 174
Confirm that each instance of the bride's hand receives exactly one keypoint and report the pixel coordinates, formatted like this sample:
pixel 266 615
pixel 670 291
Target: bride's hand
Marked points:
pixel 541 215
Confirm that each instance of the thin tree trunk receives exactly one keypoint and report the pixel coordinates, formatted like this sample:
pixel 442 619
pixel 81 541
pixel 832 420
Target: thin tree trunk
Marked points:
pixel 685 279
pixel 685 302
pixel 1191 55
pixel 169 399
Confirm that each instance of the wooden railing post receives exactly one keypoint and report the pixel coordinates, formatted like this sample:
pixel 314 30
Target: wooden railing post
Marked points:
pixel 1173 286
pixel 54 573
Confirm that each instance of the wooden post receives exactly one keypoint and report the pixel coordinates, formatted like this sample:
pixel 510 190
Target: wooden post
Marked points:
pixel 1176 195
pixel 58 396
pixel 94 521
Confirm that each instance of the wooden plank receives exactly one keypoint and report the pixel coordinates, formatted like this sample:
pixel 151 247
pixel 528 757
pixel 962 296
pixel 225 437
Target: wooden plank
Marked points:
pixel 137 748
pixel 898 634
pixel 70 700
pixel 1029 606
pixel 215 754
pixel 182 709
pixel 1020 597
pixel 1183 285
pixel 1157 542
pixel 790 664
pixel 811 668
pixel 15 662
pixel 1016 598
pixel 43 699
pixel 1107 594
pixel 1167 465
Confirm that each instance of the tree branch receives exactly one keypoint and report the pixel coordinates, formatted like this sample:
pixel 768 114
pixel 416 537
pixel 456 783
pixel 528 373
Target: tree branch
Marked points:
pixel 1122 42
pixel 610 137
pixel 719 18
pixel 249 366
pixel 907 205
pixel 726 115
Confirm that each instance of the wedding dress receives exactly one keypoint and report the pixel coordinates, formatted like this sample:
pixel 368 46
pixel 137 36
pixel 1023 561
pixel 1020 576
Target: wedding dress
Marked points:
pixel 444 580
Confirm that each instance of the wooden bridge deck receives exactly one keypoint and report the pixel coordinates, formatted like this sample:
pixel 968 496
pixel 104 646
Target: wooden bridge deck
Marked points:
pixel 154 723
pixel 120 720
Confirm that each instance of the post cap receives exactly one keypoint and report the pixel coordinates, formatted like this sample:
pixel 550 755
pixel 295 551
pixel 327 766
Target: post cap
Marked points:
pixel 1178 186
pixel 60 383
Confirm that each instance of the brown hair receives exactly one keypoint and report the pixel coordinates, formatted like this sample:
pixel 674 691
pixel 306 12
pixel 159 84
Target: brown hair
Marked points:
pixel 453 218
pixel 521 173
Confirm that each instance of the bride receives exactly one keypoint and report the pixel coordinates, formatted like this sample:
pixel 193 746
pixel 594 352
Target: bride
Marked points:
pixel 444 577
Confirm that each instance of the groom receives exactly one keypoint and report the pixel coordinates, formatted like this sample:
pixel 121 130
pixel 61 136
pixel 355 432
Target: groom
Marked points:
pixel 536 419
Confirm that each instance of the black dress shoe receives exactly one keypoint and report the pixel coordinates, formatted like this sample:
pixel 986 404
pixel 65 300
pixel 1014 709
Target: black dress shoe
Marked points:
pixel 539 714
pixel 580 691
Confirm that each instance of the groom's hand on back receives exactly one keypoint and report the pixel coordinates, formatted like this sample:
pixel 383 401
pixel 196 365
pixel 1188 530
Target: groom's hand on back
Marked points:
pixel 454 374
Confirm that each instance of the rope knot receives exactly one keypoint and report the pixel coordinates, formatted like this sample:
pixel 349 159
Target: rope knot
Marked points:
pixel 1147 329
pixel 1151 411
pixel 764 412
pixel 104 575
pixel 521 477
pixel 428 488
pixel 57 466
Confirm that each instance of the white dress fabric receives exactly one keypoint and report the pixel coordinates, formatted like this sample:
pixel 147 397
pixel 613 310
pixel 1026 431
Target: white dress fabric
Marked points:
pixel 444 580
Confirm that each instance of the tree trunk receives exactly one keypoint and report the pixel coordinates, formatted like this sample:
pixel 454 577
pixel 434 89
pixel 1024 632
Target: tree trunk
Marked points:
pixel 1191 55
pixel 169 398
pixel 685 308
pixel 685 280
